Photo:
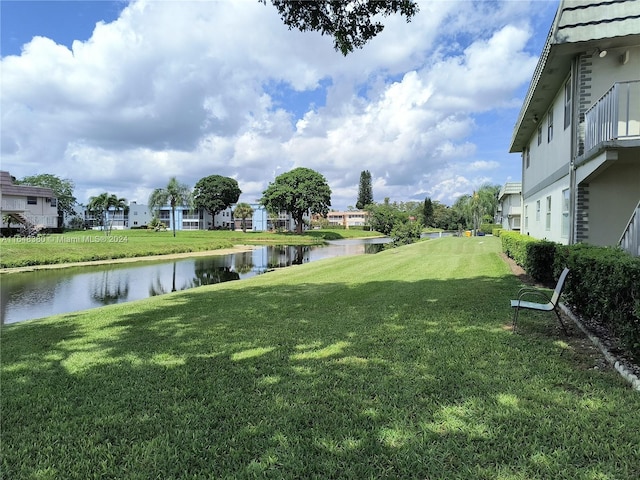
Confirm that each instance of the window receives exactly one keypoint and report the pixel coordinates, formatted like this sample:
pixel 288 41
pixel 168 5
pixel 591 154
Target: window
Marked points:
pixel 538 211
pixel 54 202
pixel 526 216
pixel 567 104
pixel 32 200
pixel 527 158
pixel 547 224
pixel 539 133
pixel 565 212
pixel 550 126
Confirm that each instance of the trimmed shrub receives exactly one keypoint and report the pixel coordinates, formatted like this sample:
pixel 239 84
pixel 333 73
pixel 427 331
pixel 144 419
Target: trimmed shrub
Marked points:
pixel 604 285
pixel 487 228
pixel 496 232
pixel 539 260
pixel 514 246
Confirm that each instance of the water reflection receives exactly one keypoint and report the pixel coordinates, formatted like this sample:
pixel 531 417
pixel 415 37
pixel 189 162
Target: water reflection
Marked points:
pixel 42 293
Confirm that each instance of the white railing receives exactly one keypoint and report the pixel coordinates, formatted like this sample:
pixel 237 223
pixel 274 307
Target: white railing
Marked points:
pixel 630 240
pixel 13 205
pixel 615 116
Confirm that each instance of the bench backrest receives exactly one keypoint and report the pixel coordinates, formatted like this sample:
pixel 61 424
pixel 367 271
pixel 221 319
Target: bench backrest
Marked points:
pixel 559 286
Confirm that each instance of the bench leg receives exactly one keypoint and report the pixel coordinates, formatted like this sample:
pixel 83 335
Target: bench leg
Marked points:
pixel 564 328
pixel 515 319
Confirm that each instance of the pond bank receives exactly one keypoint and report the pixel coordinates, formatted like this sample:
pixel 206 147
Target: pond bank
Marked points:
pixel 169 256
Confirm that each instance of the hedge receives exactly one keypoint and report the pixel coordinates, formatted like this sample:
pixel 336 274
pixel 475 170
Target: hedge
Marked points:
pixel 604 284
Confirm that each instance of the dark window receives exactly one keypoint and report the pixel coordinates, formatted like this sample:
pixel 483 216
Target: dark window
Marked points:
pixel 550 126
pixel 32 200
pixel 567 104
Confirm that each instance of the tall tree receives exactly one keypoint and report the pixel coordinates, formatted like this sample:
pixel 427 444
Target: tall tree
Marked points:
pixel 100 206
pixel 427 212
pixel 365 191
pixel 174 194
pixel 298 192
pixel 62 188
pixel 243 211
pixel 351 23
pixel 215 193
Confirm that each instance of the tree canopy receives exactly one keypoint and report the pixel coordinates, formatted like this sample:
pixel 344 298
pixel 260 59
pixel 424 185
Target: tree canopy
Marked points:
pixel 215 193
pixel 174 194
pixel 298 192
pixel 243 211
pixel 351 23
pixel 100 205
pixel 62 188
pixel 365 191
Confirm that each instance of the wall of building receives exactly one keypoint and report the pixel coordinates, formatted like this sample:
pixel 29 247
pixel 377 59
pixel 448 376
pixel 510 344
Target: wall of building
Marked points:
pixel 535 225
pixel 613 196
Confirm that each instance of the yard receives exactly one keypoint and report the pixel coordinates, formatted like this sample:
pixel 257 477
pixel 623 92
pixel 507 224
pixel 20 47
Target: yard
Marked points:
pixel 394 365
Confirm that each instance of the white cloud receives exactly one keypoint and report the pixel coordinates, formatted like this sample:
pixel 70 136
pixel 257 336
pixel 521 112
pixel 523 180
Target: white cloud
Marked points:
pixel 180 89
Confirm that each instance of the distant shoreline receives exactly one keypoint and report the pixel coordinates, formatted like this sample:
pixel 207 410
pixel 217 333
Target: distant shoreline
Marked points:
pixel 146 258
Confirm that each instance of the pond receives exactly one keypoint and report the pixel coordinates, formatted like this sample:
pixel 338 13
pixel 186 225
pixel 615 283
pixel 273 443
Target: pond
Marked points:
pixel 41 293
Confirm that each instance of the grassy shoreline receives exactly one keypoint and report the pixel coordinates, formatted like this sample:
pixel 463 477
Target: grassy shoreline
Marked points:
pixel 87 246
pixel 394 365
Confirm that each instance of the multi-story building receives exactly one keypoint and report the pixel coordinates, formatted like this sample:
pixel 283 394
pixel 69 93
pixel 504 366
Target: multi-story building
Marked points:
pixel 579 128
pixel 356 218
pixel 510 206
pixel 35 208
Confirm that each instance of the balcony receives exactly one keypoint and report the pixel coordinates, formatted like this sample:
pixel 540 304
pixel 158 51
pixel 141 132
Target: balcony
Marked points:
pixel 616 116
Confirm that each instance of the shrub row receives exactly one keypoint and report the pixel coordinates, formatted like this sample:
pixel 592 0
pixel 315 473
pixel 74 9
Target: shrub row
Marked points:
pixel 604 284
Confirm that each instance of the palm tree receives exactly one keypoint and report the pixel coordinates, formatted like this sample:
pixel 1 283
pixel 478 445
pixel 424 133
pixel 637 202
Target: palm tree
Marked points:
pixel 243 211
pixel 101 204
pixel 174 194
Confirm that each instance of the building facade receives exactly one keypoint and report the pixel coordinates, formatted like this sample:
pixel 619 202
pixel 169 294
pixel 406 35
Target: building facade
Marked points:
pixel 578 131
pixel 510 206
pixel 35 208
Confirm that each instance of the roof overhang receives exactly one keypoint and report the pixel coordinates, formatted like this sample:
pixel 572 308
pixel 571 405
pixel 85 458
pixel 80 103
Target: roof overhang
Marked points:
pixel 579 28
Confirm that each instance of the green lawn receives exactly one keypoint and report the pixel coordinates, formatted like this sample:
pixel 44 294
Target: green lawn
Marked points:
pixel 394 365
pixel 95 245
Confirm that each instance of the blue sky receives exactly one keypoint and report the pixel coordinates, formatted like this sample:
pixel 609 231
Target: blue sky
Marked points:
pixel 120 96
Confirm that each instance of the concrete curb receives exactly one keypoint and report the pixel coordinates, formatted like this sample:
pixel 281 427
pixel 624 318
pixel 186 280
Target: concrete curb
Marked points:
pixel 621 369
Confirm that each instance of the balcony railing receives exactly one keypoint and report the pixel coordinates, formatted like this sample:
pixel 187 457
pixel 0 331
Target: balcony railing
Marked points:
pixel 615 116
pixel 630 240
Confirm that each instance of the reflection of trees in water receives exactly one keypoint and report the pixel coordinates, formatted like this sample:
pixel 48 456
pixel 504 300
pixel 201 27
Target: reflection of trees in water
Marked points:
pixel 156 287
pixel 285 256
pixel 243 262
pixel 373 247
pixel 109 287
pixel 208 273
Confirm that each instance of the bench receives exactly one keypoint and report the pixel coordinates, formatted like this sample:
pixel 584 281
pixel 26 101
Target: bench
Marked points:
pixel 549 305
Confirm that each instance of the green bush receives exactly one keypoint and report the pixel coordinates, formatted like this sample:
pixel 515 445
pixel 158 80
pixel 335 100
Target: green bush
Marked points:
pixel 487 228
pixel 539 260
pixel 604 285
pixel 514 246
pixel 496 232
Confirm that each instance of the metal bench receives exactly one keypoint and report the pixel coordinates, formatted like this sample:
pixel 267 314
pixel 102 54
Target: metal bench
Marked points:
pixel 533 293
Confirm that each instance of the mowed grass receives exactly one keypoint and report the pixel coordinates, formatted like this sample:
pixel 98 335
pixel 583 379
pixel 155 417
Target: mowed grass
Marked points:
pixel 394 365
pixel 91 245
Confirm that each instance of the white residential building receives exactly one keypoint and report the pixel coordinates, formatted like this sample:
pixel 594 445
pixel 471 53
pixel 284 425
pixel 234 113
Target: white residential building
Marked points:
pixel 36 208
pixel 510 206
pixel 579 128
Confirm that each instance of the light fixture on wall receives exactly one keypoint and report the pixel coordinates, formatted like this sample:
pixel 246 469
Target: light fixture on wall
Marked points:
pixel 624 58
pixel 601 52
pixel 535 119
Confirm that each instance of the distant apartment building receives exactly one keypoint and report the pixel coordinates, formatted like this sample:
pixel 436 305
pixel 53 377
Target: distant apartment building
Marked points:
pixel 35 208
pixel 356 218
pixel 510 206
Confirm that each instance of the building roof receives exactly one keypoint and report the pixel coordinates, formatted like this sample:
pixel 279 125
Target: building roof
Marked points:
pixel 580 26
pixel 8 188
pixel 510 188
